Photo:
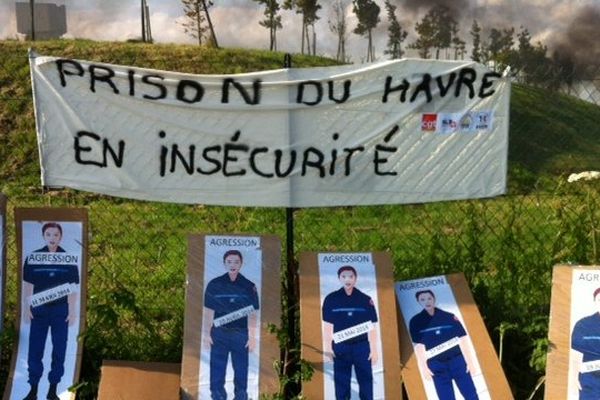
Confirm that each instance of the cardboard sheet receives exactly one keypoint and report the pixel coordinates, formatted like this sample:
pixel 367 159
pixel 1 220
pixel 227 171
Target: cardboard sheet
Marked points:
pixel 374 278
pixel 2 256
pixel 52 251
pixel 574 350
pixel 261 259
pixel 131 380
pixel 452 296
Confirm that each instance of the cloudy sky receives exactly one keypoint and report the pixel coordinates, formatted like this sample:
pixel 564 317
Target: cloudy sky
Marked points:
pixel 236 22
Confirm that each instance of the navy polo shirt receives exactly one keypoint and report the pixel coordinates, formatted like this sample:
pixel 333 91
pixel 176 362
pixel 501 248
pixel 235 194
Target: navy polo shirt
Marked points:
pixel 586 337
pixel 48 276
pixel 343 311
pixel 225 296
pixel 433 330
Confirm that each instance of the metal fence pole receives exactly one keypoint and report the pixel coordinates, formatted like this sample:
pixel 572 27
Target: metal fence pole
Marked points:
pixel 291 363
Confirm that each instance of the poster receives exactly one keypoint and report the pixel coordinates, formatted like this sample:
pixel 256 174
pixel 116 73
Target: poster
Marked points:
pixel 392 132
pixel 228 352
pixel 52 249
pixel 349 296
pixel 573 364
pixel 445 343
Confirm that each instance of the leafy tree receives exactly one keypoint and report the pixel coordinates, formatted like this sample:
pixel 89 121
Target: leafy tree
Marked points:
pixel 396 34
pixel 435 31
pixel 198 20
pixel 308 9
pixel 498 48
pixel 339 26
pixel 426 31
pixel 367 12
pixel 476 39
pixel 272 20
pixel 531 62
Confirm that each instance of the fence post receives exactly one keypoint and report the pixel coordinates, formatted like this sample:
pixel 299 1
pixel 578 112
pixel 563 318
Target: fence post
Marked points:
pixel 290 358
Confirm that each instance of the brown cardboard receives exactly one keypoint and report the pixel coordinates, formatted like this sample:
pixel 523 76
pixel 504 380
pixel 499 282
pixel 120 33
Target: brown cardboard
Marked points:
pixel 270 313
pixel 3 241
pixel 311 332
pixel 486 355
pixel 59 215
pixel 130 380
pixel 558 365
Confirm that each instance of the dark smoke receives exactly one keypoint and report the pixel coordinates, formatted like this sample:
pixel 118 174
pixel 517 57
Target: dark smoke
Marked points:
pixel 579 46
pixel 456 7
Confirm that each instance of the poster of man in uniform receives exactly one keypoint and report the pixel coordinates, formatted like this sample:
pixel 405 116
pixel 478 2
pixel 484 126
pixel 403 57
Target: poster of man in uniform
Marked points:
pixel 228 307
pixel 353 351
pixel 52 248
pixel 573 366
pixel 2 255
pixel 439 332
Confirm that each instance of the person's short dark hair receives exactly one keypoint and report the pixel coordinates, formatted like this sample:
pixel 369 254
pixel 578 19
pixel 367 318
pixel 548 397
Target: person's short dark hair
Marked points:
pixel 233 253
pixel 596 293
pixel 420 292
pixel 347 268
pixel 48 225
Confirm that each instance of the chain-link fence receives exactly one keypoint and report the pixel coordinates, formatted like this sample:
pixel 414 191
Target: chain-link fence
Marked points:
pixel 137 250
pixel 505 246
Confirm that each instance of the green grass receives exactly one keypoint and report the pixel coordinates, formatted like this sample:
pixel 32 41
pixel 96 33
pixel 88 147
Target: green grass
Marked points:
pixel 505 246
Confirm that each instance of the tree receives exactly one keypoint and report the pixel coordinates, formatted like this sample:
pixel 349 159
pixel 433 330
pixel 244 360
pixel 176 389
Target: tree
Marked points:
pixel 308 9
pixel 367 12
pixel 458 44
pixel 197 19
pixel 396 34
pixel 435 31
pixel 531 61
pixel 339 26
pixel 499 47
pixel 272 20
pixel 426 32
pixel 476 35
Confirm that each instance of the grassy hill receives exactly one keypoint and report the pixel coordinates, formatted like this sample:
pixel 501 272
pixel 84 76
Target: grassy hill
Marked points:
pixel 505 246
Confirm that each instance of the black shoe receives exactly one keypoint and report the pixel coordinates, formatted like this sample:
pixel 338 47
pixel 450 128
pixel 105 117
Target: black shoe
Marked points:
pixel 32 395
pixel 52 392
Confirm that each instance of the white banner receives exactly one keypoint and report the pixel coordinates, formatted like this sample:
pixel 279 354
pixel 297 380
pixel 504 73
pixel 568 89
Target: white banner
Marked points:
pixel 405 131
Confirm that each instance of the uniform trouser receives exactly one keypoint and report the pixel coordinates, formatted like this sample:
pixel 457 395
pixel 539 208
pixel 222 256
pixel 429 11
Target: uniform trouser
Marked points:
pixel 452 369
pixel 225 342
pixel 348 355
pixel 48 317
pixel 590 386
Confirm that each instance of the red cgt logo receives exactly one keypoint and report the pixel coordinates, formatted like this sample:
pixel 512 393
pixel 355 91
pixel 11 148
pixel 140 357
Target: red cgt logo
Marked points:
pixel 429 122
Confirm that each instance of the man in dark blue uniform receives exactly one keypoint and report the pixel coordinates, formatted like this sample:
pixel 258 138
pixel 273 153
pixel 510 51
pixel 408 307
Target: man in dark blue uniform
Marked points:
pixel 230 304
pixel 585 342
pixel 40 274
pixel 441 347
pixel 349 316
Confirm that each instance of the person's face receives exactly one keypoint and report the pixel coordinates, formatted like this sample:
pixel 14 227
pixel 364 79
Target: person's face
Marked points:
pixel 427 301
pixel 347 279
pixel 52 236
pixel 233 263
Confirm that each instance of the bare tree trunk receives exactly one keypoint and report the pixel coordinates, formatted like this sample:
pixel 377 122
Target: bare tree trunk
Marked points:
pixel 307 39
pixel 302 43
pixel 31 9
pixel 370 49
pixel 198 23
pixel 210 25
pixel 314 42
